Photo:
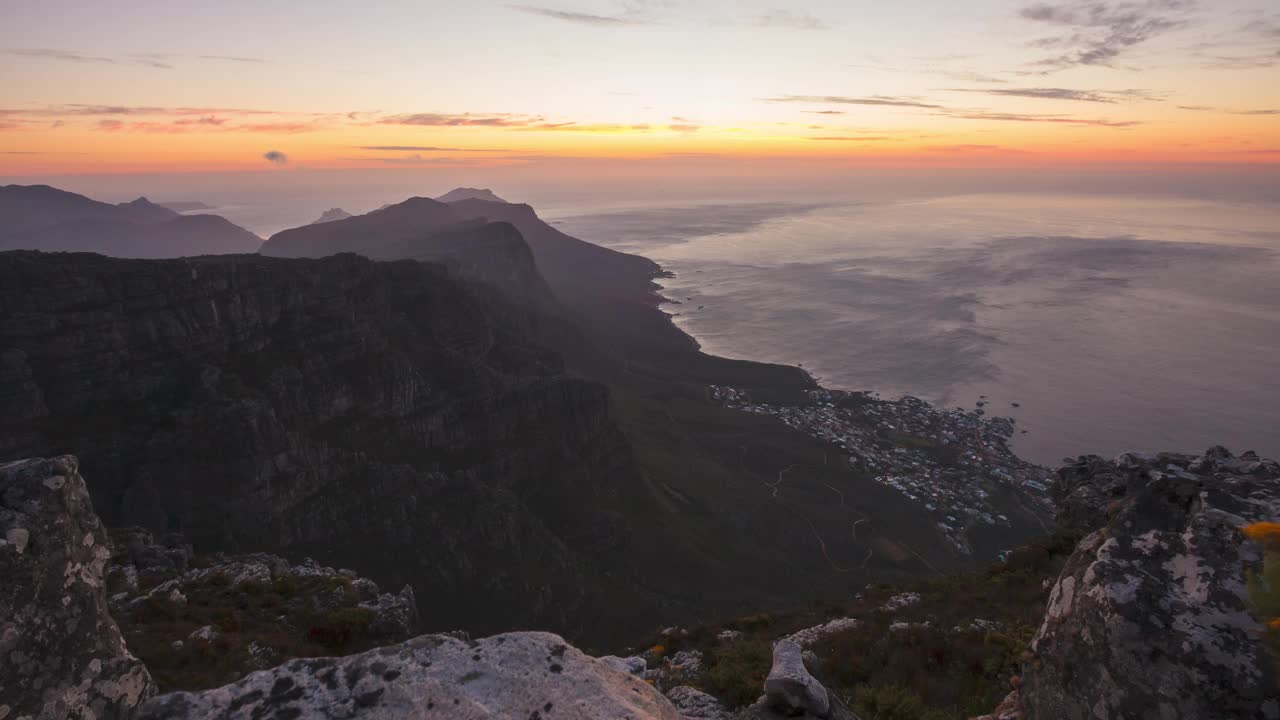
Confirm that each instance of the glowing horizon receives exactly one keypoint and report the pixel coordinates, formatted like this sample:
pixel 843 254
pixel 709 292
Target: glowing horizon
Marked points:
pixel 176 87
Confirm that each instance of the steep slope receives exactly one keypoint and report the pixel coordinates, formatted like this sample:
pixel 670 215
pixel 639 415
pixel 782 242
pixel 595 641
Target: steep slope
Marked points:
pixel 494 253
pixel 388 417
pixel 38 217
pixel 575 269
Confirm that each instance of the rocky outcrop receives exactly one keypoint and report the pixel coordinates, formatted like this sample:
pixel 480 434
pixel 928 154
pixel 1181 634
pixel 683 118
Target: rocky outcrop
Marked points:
pixel 516 675
pixel 387 417
pixel 61 654
pixel 1151 616
pixel 694 704
pixel 790 687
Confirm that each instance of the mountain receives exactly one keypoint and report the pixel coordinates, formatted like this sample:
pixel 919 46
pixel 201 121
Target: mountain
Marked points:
pixel 364 234
pixel 465 193
pixel 423 229
pixel 387 416
pixel 330 215
pixel 39 217
pixel 186 205
pixel 494 253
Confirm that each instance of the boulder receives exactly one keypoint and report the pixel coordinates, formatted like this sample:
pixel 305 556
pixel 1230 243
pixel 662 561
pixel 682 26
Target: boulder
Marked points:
pixel 1151 616
pixel 516 675
pixel 696 705
pixel 790 687
pixel 61 654
pixel 634 665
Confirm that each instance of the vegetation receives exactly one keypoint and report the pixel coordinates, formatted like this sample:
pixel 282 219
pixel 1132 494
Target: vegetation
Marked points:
pixel 738 671
pixel 1264 587
pixel 289 617
pixel 952 656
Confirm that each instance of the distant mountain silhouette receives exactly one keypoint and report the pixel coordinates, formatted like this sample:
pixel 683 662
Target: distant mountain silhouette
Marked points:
pixel 39 217
pixel 466 193
pixel 575 269
pixel 365 234
pixel 185 205
pixel 330 215
pixel 423 229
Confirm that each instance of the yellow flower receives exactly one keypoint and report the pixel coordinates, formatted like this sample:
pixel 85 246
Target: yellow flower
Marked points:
pixel 1263 532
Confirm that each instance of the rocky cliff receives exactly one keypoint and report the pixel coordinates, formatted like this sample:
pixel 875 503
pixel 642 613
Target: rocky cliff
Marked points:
pixel 61 654
pixel 388 417
pixel 1152 615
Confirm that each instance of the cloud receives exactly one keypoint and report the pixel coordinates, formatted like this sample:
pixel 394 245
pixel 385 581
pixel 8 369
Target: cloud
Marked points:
pixel 1100 30
pixel 275 157
pixel 631 17
pixel 826 112
pixel 966 76
pixel 459 120
pixel 425 148
pixel 884 100
pixel 110 125
pixel 1207 108
pixel 1059 119
pixel 963 148
pixel 788 19
pixel 65 55
pixel 154 60
pixel 1094 96
pixel 853 138
pixel 286 128
pixel 236 59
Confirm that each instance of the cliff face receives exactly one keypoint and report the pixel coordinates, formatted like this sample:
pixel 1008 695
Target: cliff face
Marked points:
pixel 389 417
pixel 1152 615
pixel 61 654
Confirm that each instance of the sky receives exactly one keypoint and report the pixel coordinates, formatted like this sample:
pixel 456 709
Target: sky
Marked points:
pixel 179 87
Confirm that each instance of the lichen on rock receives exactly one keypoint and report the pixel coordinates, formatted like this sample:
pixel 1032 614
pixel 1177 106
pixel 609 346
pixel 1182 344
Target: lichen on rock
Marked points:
pixel 61 655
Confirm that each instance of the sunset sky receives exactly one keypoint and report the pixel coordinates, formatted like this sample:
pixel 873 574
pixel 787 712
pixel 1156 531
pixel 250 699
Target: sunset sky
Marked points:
pixel 166 86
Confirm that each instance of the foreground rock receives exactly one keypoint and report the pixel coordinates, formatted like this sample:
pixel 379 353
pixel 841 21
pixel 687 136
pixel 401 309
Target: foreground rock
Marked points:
pixel 61 654
pixel 1151 616
pixel 790 686
pixel 516 675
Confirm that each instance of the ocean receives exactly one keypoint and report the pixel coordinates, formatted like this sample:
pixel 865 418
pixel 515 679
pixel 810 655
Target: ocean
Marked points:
pixel 1101 324
pixel 1100 320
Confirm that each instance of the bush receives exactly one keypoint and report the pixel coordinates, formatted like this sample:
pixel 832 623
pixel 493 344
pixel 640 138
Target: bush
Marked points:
pixel 338 629
pixel 890 702
pixel 739 670
pixel 755 622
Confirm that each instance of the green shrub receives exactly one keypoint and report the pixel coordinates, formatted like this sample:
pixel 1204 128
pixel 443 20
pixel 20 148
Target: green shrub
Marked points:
pixel 738 671
pixel 754 622
pixel 890 702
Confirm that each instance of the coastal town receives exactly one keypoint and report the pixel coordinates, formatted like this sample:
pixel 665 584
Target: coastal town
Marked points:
pixel 953 462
